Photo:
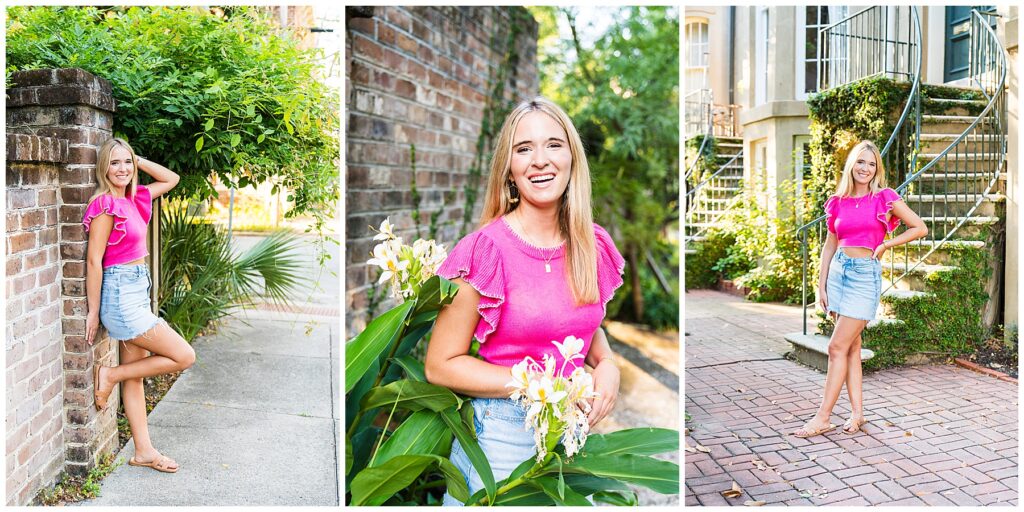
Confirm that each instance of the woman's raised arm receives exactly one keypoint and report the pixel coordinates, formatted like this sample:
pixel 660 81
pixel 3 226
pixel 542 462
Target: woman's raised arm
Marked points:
pixel 166 179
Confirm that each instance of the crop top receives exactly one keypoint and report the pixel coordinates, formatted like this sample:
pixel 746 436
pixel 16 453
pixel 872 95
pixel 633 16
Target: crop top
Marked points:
pixel 861 221
pixel 523 308
pixel 127 240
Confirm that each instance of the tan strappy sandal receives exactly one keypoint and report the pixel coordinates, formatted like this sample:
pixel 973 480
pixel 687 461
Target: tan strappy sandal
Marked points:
pixel 161 464
pixel 99 397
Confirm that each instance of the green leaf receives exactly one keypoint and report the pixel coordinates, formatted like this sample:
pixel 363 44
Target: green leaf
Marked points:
pixel 453 477
pixel 435 293
pixel 199 144
pixel 422 433
pixel 657 475
pixel 411 395
pixel 388 478
pixel 209 125
pixel 550 486
pixel 250 110
pixel 473 452
pixel 525 496
pixel 348 454
pixel 634 441
pixel 589 484
pixel 260 138
pixel 172 108
pixel 619 499
pixel 368 345
pixel 235 139
pixel 412 366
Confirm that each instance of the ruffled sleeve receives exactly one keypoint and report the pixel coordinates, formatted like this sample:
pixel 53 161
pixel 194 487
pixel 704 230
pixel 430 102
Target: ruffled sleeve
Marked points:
pixel 884 205
pixel 144 202
pixel 107 205
pixel 832 211
pixel 476 260
pixel 610 265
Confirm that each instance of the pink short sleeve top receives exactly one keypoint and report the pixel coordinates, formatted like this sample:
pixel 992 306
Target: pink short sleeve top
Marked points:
pixel 861 221
pixel 522 307
pixel 127 240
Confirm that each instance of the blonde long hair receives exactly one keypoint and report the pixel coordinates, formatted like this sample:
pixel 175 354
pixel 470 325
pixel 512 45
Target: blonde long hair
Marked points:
pixel 103 185
pixel 575 219
pixel 846 183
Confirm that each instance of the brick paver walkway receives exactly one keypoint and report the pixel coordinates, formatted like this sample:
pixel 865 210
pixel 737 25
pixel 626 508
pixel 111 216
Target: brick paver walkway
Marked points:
pixel 937 435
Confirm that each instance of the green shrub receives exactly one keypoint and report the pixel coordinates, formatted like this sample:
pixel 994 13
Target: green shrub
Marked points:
pixel 203 91
pixel 202 279
pixel 702 269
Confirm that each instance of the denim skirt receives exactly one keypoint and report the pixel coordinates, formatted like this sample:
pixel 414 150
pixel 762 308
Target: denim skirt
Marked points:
pixel 124 304
pixel 854 286
pixel 503 438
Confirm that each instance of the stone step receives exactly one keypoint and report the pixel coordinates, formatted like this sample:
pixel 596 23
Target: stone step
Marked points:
pixel 948 124
pixel 935 143
pixel 812 350
pixel 942 255
pixel 916 279
pixel 893 296
pixel 973 229
pixel 950 205
pixel 940 182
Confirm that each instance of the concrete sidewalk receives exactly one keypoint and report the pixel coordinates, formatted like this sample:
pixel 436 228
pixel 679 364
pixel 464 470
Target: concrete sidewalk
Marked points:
pixel 937 435
pixel 254 422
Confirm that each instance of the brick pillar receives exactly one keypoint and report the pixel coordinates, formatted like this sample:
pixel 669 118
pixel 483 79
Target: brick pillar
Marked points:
pixel 35 381
pixel 75 108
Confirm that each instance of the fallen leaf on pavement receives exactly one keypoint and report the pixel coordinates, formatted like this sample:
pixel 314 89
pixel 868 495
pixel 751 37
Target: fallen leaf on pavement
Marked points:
pixel 806 494
pixel 225 466
pixel 909 433
pixel 754 503
pixel 702 448
pixel 922 493
pixel 735 492
pixel 812 457
pixel 688 448
pixel 890 424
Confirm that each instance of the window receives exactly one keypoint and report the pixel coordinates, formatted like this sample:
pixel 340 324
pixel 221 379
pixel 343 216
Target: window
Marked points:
pixel 697 48
pixel 810 20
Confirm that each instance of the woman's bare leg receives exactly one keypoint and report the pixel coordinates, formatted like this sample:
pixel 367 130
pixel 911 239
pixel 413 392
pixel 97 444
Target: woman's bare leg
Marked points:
pixel 846 332
pixel 133 396
pixel 854 383
pixel 170 353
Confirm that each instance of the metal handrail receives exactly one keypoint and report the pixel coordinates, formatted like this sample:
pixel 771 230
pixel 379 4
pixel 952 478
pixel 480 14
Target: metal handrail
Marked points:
pixel 694 213
pixel 911 108
pixel 704 104
pixel 987 57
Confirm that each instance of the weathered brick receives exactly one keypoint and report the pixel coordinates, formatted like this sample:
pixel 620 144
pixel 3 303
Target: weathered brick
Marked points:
pixel 21 242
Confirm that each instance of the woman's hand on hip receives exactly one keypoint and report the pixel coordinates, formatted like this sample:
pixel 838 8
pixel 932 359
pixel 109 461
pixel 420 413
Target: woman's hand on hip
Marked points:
pixel 879 251
pixel 606 384
pixel 92 324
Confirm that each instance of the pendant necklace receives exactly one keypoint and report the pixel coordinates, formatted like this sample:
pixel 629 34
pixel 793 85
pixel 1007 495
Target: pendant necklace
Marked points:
pixel 547 258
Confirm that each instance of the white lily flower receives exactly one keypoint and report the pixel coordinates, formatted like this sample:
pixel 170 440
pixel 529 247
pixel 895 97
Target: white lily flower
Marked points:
pixel 570 348
pixel 386 231
pixel 385 257
pixel 543 391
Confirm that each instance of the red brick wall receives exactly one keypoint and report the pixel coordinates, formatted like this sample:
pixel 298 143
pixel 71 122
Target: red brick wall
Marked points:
pixel 55 121
pixel 419 75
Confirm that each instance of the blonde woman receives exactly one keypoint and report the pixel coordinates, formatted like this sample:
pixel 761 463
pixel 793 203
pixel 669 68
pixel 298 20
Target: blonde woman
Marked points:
pixel 537 270
pixel 860 214
pixel 117 288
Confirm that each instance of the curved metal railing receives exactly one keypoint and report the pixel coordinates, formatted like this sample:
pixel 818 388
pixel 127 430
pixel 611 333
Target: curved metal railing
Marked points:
pixel 948 191
pixel 721 187
pixel 872 42
pixel 698 120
